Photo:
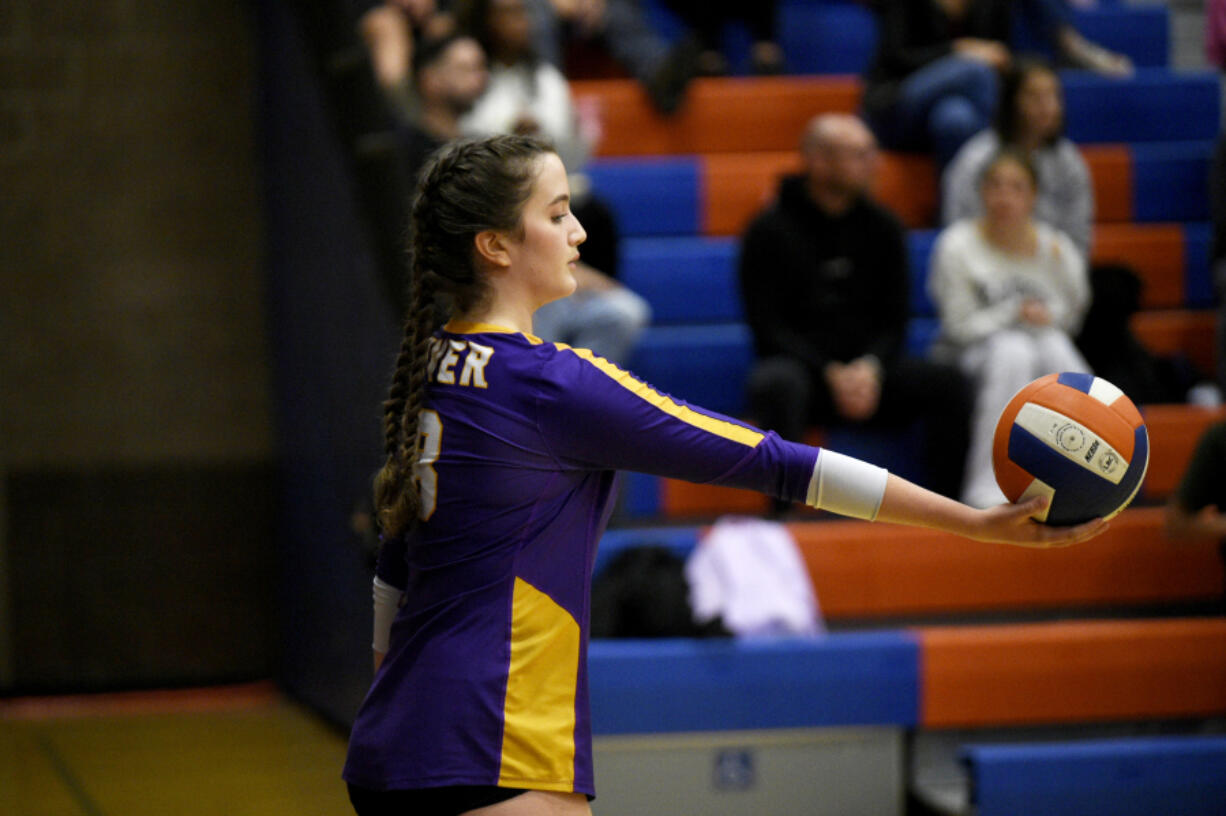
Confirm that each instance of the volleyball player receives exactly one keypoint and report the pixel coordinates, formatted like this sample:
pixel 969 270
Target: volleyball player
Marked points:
pixel 501 454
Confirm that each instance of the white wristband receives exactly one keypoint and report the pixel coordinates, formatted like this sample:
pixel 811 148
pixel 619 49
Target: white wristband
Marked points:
pixel 387 601
pixel 846 486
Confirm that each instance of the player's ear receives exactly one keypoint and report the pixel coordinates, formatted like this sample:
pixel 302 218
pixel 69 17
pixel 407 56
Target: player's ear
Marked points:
pixel 493 247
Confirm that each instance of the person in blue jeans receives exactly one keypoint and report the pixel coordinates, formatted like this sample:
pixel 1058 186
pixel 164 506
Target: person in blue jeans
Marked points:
pixel 933 82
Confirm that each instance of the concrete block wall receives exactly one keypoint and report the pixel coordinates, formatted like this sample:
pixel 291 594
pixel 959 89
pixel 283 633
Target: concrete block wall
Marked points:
pixel 132 342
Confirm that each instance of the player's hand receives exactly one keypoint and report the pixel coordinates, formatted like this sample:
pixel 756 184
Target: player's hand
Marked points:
pixel 1012 524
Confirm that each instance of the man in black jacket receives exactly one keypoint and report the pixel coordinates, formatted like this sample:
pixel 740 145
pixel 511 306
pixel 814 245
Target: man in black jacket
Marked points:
pixel 825 285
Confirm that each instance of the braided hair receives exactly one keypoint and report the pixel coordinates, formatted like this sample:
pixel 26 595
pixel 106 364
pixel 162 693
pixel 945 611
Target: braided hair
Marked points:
pixel 466 188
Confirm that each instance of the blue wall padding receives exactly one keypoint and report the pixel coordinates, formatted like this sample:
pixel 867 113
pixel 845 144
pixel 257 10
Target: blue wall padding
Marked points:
pixel 706 365
pixel 1156 105
pixel 656 686
pixel 680 541
pixel 650 196
pixel 1198 276
pixel 685 279
pixel 1124 777
pixel 1170 181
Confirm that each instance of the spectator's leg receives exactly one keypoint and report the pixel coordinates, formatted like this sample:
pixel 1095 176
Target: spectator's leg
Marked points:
pixel 947 102
pixel 546 31
pixel 608 322
pixel 664 69
pixel 780 396
pixel 940 396
pixel 555 322
pixel 1053 19
pixel 632 41
pixel 1056 353
pixel 999 366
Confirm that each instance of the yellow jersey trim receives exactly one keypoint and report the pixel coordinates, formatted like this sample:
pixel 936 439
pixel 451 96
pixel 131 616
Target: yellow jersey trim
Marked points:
pixel 538 737
pixel 720 427
pixel 467 327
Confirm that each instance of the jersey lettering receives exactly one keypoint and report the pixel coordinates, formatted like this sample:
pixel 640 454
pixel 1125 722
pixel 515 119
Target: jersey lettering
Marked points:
pixel 430 441
pixel 445 356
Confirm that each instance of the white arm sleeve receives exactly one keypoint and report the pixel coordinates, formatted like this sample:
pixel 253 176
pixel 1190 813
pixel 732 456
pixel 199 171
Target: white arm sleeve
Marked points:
pixel 387 601
pixel 846 486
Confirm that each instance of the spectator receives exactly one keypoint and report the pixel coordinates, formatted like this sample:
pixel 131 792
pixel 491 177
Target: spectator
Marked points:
pixel 525 94
pixel 449 76
pixel 933 81
pixel 825 284
pixel 1198 508
pixel 621 29
pixel 1011 292
pixel 529 96
pixel 1030 120
pixel 390 30
pixel 706 21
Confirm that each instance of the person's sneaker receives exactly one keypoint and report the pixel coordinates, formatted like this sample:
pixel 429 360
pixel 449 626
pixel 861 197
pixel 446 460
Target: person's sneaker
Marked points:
pixel 666 88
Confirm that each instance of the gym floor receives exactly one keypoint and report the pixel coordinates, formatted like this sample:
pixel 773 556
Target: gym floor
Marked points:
pixel 236 751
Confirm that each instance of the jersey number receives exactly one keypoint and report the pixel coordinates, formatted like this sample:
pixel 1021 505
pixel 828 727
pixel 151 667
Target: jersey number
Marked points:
pixel 429 440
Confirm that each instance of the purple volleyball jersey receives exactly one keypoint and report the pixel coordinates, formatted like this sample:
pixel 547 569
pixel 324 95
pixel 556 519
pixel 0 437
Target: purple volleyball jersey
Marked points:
pixel 485 682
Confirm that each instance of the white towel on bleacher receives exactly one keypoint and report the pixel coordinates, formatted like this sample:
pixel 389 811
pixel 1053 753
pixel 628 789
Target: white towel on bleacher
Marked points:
pixel 750 573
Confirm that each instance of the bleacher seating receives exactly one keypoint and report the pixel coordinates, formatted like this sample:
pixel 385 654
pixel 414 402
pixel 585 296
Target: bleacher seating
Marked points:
pixel 684 188
pixel 864 572
pixel 718 162
pixel 1105 777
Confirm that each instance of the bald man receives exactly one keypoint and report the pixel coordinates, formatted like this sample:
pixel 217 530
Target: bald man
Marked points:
pixel 825 285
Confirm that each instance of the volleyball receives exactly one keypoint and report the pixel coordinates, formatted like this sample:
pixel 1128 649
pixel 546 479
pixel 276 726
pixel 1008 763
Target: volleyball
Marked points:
pixel 1076 439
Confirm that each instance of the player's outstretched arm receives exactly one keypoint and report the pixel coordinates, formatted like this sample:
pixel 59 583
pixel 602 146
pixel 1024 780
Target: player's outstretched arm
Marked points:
pixel 908 503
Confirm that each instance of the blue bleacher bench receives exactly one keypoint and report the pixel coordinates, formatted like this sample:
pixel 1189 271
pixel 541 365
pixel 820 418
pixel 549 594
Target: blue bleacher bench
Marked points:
pixel 683 685
pixel 840 36
pixel 1118 777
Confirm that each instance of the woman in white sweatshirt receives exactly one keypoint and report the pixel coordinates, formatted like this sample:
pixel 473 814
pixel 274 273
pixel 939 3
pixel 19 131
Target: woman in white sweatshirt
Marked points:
pixel 1011 293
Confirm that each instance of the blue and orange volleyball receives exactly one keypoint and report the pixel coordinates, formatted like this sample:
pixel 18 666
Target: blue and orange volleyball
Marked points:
pixel 1075 438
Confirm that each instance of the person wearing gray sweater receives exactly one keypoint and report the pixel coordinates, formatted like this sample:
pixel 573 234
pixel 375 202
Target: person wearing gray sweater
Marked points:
pixel 1031 121
pixel 1011 293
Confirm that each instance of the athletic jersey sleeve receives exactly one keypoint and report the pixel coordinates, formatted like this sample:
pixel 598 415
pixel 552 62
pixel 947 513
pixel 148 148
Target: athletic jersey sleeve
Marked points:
pixel 593 414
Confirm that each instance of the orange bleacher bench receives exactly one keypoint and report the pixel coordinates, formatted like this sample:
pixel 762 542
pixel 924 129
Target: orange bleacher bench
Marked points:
pixel 1084 671
pixel 726 114
pixel 736 186
pixel 1174 431
pixel 1179 331
pixel 863 570
pixel 1155 252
